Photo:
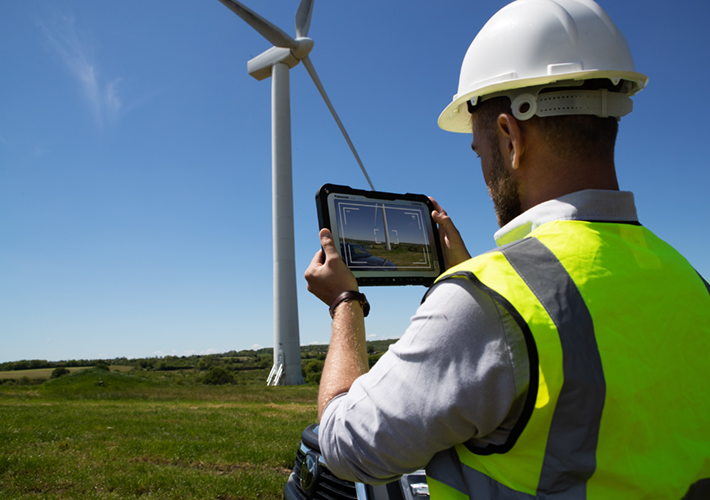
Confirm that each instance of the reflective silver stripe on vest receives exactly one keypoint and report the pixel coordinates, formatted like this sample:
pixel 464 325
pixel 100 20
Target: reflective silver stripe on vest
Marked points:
pixel 570 454
pixel 446 468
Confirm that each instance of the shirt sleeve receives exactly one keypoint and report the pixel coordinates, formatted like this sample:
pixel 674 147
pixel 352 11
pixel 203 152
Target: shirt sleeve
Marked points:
pixel 460 372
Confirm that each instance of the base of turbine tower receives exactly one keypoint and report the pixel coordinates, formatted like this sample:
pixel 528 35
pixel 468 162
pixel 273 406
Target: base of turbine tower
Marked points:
pixel 279 376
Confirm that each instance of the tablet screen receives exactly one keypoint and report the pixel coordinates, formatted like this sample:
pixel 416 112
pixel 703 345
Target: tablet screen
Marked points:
pixel 384 238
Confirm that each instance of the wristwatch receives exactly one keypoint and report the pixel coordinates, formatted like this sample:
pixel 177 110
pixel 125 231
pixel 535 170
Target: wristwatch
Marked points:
pixel 351 295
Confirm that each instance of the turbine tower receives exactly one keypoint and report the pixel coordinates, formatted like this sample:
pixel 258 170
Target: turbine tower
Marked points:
pixel 276 63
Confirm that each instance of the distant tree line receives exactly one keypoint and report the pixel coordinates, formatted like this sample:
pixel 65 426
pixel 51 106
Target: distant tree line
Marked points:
pixel 246 359
pixel 218 368
pixel 35 364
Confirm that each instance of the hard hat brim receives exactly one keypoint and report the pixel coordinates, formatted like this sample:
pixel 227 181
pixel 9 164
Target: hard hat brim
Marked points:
pixel 456 118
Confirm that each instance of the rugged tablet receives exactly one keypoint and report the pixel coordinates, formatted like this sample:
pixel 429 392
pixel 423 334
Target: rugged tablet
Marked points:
pixel 384 238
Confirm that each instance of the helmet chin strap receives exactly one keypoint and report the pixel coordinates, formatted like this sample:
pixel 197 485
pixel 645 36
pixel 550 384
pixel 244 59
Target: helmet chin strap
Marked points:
pixel 528 102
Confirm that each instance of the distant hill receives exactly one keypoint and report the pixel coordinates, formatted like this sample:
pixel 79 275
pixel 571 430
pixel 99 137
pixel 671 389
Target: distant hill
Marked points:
pixel 246 359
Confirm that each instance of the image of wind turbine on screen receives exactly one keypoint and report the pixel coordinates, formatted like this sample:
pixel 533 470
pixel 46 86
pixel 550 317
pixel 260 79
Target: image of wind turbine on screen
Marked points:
pixel 360 224
pixel 276 62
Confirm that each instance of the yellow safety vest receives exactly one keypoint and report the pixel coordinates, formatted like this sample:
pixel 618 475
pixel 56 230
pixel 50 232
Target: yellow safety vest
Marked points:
pixel 617 325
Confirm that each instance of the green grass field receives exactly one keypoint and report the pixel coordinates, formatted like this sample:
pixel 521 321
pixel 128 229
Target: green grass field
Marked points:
pixel 402 255
pixel 44 373
pixel 97 434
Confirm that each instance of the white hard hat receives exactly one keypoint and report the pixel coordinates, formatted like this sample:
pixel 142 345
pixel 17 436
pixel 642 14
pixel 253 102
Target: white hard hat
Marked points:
pixel 530 45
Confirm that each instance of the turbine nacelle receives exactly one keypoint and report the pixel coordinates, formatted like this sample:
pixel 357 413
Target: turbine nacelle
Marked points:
pixel 261 66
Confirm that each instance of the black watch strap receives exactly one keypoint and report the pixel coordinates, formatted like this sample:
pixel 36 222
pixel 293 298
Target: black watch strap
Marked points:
pixel 351 295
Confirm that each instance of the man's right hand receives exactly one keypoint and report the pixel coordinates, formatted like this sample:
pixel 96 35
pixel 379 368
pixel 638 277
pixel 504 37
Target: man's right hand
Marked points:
pixel 327 278
pixel 452 244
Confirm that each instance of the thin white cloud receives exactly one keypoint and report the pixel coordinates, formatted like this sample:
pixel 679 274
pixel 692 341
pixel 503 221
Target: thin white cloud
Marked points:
pixel 38 151
pixel 111 101
pixel 61 34
pixel 372 336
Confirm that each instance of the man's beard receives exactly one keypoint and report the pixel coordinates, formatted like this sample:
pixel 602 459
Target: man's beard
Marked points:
pixel 503 189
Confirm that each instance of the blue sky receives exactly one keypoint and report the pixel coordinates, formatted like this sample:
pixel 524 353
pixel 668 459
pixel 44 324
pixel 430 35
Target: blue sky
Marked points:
pixel 135 159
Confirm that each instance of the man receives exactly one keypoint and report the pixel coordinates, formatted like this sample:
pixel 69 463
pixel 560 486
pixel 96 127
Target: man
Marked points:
pixel 571 361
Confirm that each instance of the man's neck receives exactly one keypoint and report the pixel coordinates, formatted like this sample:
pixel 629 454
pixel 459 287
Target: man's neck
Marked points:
pixel 552 180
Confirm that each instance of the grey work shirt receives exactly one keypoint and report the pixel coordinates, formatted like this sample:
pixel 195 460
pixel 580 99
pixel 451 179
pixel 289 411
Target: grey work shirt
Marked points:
pixel 460 372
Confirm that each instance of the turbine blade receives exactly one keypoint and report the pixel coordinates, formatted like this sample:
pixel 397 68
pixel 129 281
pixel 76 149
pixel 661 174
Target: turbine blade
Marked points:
pixel 303 18
pixel 312 71
pixel 271 32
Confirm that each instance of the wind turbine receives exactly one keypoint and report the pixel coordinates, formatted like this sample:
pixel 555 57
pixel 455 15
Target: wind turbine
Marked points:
pixel 276 63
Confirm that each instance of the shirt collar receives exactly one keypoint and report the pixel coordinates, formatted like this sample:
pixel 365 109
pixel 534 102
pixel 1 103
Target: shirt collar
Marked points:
pixel 590 205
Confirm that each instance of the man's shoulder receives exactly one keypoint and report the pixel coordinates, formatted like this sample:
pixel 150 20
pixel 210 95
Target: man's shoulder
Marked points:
pixel 454 308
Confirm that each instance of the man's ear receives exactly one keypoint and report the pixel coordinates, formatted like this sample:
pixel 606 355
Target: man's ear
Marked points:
pixel 511 138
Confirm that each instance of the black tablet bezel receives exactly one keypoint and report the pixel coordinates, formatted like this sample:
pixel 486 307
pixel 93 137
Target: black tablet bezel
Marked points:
pixel 383 277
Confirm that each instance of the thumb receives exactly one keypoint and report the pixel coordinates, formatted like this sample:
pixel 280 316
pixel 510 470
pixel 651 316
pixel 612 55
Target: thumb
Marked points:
pixel 328 244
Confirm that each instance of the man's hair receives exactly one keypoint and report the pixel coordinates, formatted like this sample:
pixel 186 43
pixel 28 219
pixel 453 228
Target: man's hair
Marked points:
pixel 571 137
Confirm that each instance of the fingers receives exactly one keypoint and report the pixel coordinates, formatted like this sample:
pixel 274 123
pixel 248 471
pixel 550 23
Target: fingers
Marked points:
pixel 437 207
pixel 440 218
pixel 439 215
pixel 317 259
pixel 452 244
pixel 438 212
pixel 444 221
